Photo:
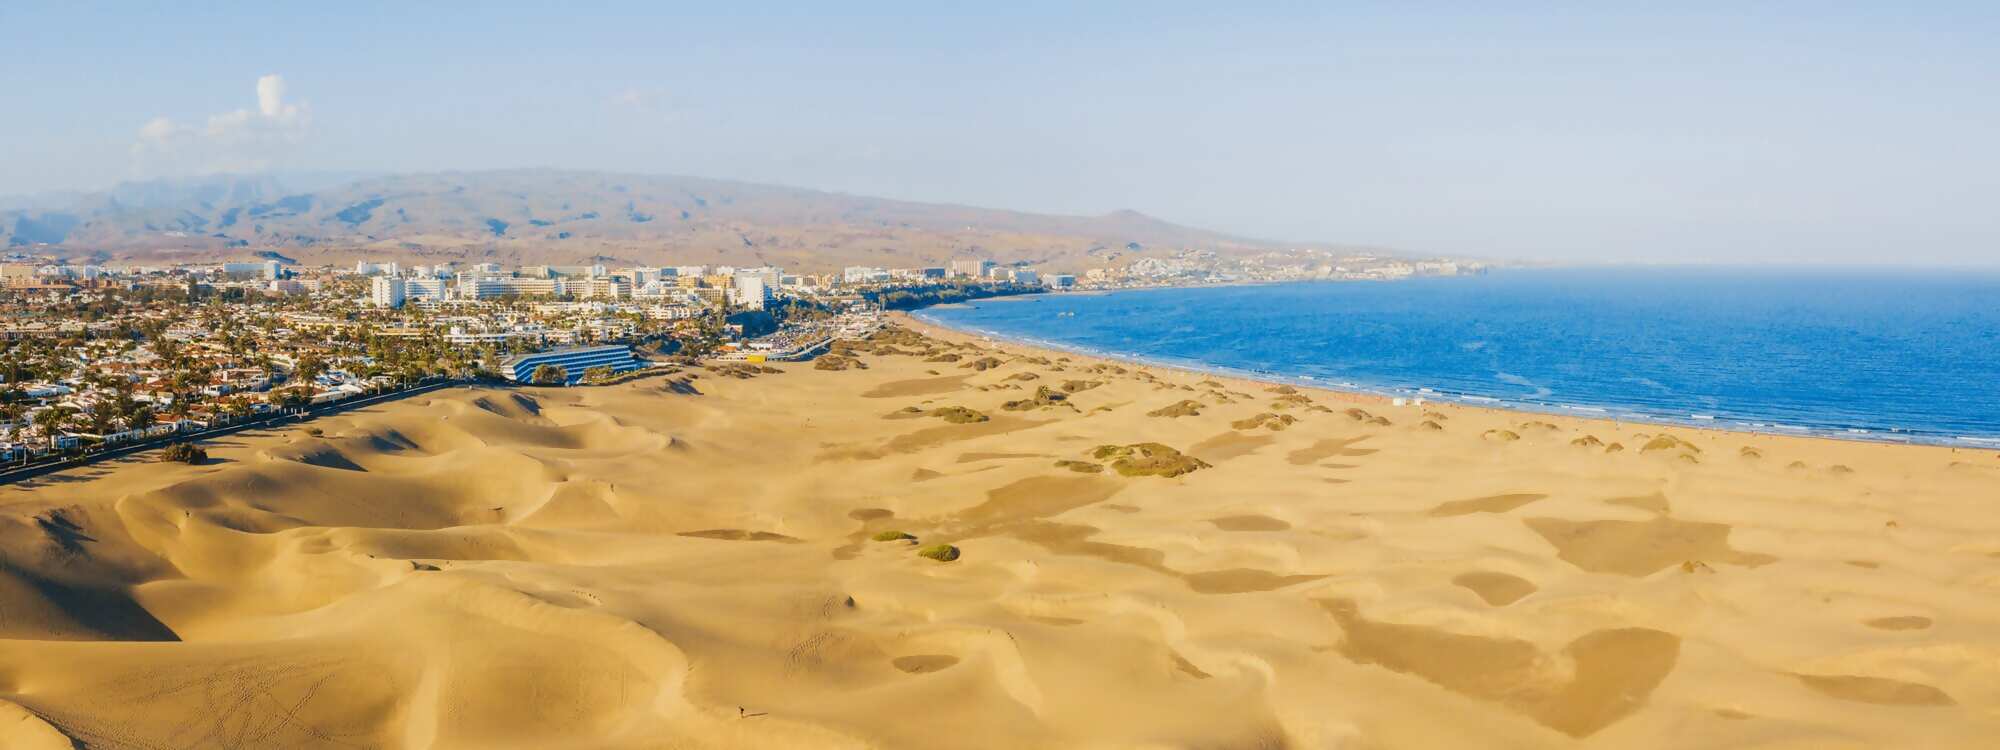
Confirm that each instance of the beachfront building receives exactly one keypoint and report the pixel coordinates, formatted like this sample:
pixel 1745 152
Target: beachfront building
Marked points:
pixel 574 361
pixel 971 268
pixel 1062 281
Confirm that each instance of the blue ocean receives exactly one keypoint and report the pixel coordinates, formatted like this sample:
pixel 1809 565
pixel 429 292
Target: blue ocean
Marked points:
pixel 1882 355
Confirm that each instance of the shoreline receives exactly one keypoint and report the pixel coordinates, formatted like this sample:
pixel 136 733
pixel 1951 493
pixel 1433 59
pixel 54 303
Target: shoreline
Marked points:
pixel 909 544
pixel 932 327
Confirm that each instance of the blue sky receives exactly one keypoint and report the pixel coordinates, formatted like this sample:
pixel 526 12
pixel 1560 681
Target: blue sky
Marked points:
pixel 1807 132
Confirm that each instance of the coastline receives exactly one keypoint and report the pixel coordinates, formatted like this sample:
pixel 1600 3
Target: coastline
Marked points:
pixel 1424 395
pixel 1359 396
pixel 738 557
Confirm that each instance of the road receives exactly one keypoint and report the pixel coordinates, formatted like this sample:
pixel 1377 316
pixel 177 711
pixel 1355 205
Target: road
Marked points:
pixel 51 465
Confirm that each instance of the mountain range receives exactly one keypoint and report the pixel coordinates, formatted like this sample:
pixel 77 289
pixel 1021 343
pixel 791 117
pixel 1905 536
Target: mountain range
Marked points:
pixel 564 216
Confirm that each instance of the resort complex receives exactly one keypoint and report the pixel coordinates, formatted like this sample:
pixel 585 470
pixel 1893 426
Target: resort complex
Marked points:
pixel 569 365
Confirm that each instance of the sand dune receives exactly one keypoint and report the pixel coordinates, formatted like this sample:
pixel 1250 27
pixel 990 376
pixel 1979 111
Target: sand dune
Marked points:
pixel 737 563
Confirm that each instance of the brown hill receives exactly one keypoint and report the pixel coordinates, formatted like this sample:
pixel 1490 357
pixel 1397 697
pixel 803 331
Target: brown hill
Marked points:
pixel 537 216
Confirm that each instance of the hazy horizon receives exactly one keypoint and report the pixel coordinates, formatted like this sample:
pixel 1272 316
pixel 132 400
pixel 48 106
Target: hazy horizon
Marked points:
pixel 1787 134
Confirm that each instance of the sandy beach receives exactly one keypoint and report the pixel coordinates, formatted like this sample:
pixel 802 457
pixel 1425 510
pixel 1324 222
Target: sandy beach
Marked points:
pixel 1146 558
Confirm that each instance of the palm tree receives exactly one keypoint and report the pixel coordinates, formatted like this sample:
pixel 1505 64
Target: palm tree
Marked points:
pixel 10 412
pixel 101 419
pixel 51 420
pixel 549 375
pixel 309 367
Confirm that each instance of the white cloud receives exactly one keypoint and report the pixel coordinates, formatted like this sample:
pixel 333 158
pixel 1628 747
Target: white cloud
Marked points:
pixel 271 96
pixel 242 140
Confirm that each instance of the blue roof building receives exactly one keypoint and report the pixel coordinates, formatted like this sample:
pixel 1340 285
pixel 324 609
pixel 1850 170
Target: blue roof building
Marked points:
pixel 573 360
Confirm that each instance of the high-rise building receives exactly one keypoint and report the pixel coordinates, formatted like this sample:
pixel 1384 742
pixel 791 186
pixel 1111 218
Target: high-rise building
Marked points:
pixel 973 268
pixel 488 288
pixel 749 291
pixel 388 291
pixel 594 288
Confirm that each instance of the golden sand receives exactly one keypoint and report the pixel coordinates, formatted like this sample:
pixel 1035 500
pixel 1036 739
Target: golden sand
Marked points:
pixel 724 563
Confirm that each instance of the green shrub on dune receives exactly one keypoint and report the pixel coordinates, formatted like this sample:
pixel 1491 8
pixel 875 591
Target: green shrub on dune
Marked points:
pixel 1668 443
pixel 185 453
pixel 892 536
pixel 1182 408
pixel 958 415
pixel 1266 420
pixel 1148 459
pixel 1079 386
pixel 1045 397
pixel 940 552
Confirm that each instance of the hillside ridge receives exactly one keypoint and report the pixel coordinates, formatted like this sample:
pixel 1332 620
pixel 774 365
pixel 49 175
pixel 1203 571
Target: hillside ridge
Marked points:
pixel 558 216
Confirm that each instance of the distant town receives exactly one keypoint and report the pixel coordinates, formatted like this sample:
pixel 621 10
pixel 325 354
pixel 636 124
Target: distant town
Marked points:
pixel 98 358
